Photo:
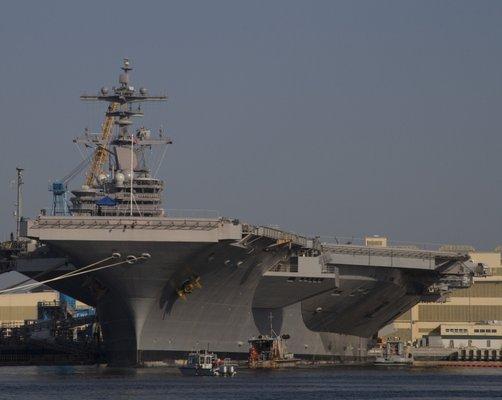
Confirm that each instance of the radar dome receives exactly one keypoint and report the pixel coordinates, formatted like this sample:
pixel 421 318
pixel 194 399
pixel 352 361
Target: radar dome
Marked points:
pixel 102 178
pixel 119 179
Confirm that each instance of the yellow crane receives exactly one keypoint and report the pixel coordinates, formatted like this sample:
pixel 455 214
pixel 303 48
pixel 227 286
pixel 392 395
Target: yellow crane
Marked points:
pixel 99 156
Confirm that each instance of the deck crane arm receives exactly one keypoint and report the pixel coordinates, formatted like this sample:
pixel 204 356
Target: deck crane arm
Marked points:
pixel 59 188
pixel 75 171
pixel 99 156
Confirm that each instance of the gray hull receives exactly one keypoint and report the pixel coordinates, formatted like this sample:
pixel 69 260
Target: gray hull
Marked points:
pixel 328 303
pixel 143 318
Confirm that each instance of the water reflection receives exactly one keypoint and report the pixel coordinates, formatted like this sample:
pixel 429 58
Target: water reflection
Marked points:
pixel 89 382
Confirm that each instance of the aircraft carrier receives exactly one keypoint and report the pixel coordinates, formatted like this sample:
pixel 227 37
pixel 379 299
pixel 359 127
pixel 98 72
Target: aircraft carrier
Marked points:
pixel 164 284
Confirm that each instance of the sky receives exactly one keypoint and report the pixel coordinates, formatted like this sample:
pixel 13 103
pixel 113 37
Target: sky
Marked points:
pixel 331 118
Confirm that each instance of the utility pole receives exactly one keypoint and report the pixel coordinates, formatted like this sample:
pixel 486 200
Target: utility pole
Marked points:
pixel 132 170
pixel 19 200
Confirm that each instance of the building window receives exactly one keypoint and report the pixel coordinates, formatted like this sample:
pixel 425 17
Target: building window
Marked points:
pixel 476 330
pixel 488 343
pixel 452 344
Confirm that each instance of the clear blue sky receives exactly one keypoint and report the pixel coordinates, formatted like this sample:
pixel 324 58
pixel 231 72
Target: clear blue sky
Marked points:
pixel 323 117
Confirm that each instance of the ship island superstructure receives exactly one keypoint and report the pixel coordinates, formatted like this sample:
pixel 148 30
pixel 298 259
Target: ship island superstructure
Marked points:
pixel 127 188
pixel 163 285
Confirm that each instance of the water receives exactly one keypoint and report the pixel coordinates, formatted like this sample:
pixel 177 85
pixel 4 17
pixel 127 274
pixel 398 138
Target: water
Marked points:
pixel 89 383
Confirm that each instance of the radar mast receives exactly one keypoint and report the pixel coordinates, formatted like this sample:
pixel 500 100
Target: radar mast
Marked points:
pixel 104 193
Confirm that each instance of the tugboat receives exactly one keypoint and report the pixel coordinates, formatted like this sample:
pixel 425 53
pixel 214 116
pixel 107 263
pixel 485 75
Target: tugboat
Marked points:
pixel 394 354
pixel 206 363
pixel 269 351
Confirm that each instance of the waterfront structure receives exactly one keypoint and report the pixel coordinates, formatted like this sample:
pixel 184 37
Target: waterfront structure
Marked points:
pixel 480 335
pixel 164 284
pixel 17 308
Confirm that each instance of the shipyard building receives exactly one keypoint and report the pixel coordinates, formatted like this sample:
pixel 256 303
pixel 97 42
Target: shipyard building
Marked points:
pixel 16 309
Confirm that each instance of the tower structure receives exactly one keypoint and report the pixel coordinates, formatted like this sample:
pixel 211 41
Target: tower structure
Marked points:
pixel 127 188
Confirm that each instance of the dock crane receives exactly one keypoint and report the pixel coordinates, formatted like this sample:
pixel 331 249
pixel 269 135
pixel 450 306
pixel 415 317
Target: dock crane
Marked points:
pixel 100 153
pixel 59 188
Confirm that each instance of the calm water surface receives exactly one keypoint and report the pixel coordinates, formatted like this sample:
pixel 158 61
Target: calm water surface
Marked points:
pixel 89 383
